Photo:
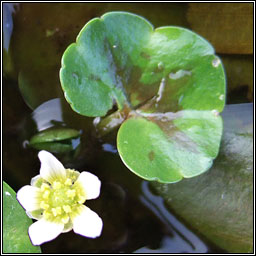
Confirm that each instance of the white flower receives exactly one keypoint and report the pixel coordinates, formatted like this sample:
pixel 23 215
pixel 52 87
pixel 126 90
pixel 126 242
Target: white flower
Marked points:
pixel 56 199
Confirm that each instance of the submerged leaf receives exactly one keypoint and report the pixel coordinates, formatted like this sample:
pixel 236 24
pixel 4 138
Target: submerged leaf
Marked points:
pixel 219 203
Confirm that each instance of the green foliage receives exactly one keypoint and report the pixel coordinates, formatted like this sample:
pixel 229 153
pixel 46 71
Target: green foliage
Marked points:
pixel 57 140
pixel 182 147
pixel 167 83
pixel 15 225
pixel 219 203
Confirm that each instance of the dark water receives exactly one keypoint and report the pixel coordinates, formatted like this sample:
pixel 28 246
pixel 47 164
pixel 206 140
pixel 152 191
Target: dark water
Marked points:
pixel 135 219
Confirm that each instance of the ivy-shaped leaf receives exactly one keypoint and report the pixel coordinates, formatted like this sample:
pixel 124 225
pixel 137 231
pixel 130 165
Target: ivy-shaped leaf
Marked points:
pixel 167 83
pixel 15 225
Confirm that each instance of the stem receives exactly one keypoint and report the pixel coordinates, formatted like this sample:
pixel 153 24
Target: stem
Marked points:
pixel 111 122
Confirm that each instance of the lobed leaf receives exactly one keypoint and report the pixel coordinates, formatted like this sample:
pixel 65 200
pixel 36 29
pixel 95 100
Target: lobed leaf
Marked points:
pixel 166 82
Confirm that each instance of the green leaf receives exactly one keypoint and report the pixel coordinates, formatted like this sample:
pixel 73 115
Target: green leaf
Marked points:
pixel 100 62
pixel 15 225
pixel 119 57
pixel 58 140
pixel 169 73
pixel 170 146
pixel 54 134
pixel 219 203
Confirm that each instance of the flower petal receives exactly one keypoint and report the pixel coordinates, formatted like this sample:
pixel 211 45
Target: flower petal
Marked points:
pixel 43 231
pixel 90 183
pixel 37 214
pixel 67 227
pixel 88 223
pixel 35 180
pixel 51 167
pixel 28 198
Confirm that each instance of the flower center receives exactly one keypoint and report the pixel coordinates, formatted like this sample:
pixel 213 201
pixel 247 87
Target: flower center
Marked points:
pixel 61 199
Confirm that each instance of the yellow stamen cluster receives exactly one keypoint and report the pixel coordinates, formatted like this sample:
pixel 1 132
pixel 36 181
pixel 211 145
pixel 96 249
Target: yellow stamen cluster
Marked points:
pixel 61 198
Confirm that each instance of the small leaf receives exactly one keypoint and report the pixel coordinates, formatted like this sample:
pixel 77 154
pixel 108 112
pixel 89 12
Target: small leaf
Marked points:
pixel 15 225
pixel 58 140
pixel 54 134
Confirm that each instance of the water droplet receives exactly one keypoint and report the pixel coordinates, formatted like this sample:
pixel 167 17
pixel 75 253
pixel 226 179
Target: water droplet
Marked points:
pixel 179 74
pixel 160 65
pixel 222 196
pixel 221 97
pixel 114 46
pixel 215 112
pixel 216 62
pixel 7 193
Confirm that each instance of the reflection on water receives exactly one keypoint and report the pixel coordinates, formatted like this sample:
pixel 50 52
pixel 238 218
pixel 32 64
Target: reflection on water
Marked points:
pixel 8 10
pixel 47 113
pixel 109 148
pixel 135 220
pixel 237 118
pixel 178 238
